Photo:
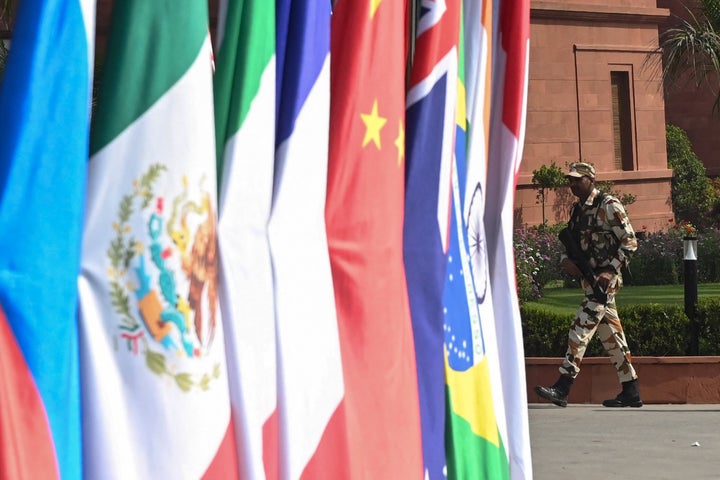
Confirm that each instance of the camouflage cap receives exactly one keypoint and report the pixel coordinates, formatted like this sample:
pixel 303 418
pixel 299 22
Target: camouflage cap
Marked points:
pixel 581 169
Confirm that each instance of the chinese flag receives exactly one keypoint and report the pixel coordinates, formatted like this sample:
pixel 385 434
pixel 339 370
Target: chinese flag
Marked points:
pixel 364 215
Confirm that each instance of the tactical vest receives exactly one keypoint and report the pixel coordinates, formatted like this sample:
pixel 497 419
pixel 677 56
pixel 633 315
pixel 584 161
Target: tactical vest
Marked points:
pixel 594 232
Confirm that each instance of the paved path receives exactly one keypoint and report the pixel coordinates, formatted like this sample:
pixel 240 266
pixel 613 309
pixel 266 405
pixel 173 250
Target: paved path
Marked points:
pixel 655 442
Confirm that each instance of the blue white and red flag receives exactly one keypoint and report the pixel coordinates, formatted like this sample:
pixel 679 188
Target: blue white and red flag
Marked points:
pixel 310 383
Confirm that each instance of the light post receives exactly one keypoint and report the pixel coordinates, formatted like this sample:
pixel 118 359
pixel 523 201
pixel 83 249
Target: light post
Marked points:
pixel 691 290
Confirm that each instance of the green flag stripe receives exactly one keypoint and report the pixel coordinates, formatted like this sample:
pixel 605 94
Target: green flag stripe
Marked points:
pixel 144 59
pixel 461 50
pixel 247 47
pixel 471 456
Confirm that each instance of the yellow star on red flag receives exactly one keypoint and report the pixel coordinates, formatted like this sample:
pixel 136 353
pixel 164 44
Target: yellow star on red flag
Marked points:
pixel 374 4
pixel 400 142
pixel 373 124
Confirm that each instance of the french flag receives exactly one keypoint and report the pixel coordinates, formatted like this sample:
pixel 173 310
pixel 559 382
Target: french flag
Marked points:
pixel 310 381
pixel 44 127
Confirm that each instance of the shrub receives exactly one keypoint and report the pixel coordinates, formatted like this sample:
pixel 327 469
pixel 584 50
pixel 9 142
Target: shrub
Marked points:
pixel 656 330
pixel 656 261
pixel 659 258
pixel 544 333
pixel 693 197
pixel 547 178
pixel 651 329
pixel 708 263
pixel 709 331
pixel 537 254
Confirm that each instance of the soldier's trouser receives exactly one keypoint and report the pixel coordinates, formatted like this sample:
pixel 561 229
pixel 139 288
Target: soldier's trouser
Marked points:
pixel 592 316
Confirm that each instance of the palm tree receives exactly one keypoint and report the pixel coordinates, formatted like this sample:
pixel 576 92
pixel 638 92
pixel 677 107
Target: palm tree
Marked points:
pixel 692 49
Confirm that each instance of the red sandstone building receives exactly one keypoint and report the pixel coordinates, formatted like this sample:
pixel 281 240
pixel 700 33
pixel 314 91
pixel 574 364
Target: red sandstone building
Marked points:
pixel 595 95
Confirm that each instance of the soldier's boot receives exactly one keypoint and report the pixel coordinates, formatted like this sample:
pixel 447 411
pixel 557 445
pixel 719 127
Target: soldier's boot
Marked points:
pixel 629 397
pixel 558 393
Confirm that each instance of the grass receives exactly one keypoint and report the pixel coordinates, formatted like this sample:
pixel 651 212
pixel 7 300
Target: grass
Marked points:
pixel 565 301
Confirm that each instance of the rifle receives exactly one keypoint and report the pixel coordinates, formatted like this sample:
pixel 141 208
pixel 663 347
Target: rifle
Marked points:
pixel 581 260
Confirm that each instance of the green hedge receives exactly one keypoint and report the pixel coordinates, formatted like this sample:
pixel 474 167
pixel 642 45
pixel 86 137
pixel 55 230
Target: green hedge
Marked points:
pixel 651 330
pixel 709 320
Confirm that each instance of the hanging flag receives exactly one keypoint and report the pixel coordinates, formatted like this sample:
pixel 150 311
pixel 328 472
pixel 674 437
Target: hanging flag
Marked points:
pixel 431 106
pixel 510 79
pixel 475 446
pixel 310 393
pixel 154 376
pixel 44 125
pixel 364 215
pixel 245 120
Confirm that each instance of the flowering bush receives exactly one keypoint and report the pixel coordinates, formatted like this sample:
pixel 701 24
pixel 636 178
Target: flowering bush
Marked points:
pixel 537 254
pixel 708 262
pixel 685 229
pixel 658 259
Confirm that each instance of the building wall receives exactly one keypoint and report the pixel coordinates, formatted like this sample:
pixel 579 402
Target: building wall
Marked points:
pixel 573 49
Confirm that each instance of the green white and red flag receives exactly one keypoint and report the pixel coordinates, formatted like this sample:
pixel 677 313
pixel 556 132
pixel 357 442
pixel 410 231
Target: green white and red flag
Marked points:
pixel 154 376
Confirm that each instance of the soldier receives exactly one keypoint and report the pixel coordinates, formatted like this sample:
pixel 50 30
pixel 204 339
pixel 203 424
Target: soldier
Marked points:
pixel 602 230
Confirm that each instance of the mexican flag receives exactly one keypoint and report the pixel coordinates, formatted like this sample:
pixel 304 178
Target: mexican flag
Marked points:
pixel 154 376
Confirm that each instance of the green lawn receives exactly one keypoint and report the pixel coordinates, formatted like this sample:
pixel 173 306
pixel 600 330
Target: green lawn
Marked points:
pixel 566 300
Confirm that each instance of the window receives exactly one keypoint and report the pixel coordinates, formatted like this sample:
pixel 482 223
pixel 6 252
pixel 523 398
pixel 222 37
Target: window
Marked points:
pixel 622 120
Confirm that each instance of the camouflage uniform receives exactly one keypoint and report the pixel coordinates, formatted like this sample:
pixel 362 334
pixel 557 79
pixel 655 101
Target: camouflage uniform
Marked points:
pixel 605 234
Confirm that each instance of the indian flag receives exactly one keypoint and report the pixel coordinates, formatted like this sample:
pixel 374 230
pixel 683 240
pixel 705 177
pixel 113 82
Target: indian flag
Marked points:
pixel 507 133
pixel 245 118
pixel 154 376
